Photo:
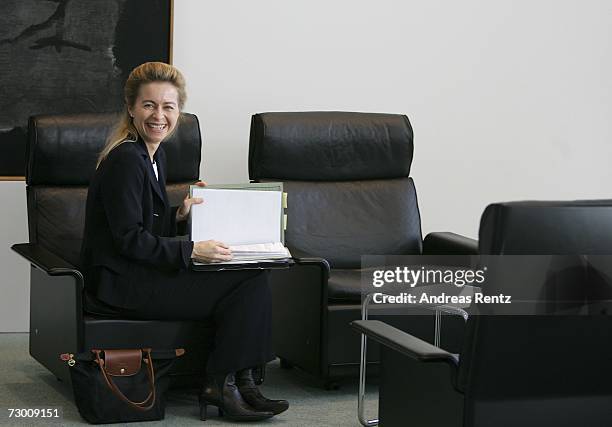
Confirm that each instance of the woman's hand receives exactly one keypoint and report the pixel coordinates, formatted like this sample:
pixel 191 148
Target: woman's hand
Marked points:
pixel 211 251
pixel 182 213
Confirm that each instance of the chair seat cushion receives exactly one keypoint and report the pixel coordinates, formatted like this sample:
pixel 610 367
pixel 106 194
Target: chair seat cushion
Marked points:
pixel 105 332
pixel 344 285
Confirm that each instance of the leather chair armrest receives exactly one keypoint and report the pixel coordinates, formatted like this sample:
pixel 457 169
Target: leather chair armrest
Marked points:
pixel 402 342
pixel 447 243
pixel 303 258
pixel 46 260
pixel 56 307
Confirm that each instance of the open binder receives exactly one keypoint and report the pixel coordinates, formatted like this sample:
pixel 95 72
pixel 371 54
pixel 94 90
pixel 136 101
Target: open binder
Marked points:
pixel 249 218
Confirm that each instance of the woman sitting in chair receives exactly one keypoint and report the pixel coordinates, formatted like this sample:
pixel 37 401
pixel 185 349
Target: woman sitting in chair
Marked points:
pixel 134 268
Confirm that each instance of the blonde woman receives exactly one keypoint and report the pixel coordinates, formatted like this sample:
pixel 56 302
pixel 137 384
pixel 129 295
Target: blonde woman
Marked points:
pixel 133 268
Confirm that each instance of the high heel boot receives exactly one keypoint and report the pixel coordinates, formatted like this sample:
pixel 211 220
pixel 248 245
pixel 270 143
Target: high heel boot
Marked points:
pixel 221 391
pixel 251 394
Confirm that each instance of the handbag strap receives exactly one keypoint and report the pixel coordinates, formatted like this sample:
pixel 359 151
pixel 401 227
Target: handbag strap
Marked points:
pixel 146 404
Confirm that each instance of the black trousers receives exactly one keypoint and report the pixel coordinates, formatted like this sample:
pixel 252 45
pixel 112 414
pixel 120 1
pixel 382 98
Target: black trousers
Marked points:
pixel 237 302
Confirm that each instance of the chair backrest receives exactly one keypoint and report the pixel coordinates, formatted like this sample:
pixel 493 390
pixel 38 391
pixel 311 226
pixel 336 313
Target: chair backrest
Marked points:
pixel 347 179
pixel 538 358
pixel 61 158
pixel 549 227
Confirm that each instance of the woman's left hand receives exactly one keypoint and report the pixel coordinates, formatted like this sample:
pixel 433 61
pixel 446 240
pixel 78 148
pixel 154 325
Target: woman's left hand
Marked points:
pixel 182 213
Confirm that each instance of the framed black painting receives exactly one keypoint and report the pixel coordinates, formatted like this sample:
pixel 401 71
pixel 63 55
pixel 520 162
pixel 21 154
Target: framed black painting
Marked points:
pixel 71 56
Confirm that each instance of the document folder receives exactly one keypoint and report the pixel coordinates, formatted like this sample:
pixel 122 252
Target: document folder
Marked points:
pixel 247 217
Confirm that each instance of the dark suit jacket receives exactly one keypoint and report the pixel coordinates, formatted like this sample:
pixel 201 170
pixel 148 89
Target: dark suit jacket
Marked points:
pixel 128 227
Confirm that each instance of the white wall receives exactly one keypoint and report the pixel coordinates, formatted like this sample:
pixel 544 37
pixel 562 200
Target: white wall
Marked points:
pixel 14 270
pixel 508 100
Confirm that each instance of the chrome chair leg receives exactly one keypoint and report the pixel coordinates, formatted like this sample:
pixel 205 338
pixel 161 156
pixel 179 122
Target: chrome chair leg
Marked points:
pixel 362 371
pixel 363 420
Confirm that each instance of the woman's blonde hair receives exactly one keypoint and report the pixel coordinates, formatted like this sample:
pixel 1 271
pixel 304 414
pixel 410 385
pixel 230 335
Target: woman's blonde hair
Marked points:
pixel 145 73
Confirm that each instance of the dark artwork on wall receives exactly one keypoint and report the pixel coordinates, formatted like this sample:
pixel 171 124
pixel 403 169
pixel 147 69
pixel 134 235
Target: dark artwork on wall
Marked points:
pixel 71 56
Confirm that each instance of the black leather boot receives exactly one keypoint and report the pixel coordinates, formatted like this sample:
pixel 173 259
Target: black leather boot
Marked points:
pixel 221 391
pixel 251 394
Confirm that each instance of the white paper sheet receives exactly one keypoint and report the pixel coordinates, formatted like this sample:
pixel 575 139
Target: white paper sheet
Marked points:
pixel 236 217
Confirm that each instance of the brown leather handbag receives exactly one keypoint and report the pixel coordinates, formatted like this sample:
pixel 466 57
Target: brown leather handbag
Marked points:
pixel 113 386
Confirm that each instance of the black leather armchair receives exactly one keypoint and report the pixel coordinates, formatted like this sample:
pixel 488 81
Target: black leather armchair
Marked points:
pixel 527 370
pixel 61 158
pixel 349 194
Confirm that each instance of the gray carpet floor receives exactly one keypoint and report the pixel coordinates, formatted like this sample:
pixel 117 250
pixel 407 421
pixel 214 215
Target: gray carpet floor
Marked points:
pixel 24 383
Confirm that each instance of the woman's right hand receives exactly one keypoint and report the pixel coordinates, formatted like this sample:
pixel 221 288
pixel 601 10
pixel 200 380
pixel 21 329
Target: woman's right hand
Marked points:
pixel 211 251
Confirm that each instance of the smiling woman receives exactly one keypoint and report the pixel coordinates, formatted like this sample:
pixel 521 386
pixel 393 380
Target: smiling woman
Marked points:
pixel 134 267
pixel 155 113
pixel 154 96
